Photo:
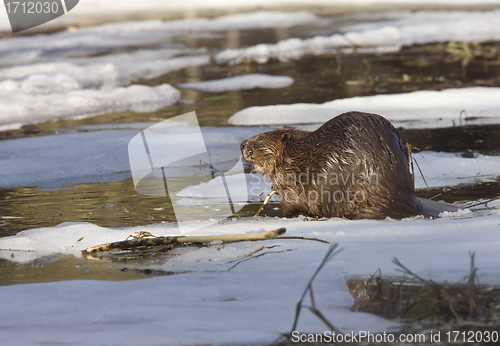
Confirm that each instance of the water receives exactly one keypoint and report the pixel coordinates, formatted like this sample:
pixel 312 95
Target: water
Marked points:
pixel 317 79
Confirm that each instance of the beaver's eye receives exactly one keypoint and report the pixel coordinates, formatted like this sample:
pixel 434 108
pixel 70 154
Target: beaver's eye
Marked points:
pixel 261 139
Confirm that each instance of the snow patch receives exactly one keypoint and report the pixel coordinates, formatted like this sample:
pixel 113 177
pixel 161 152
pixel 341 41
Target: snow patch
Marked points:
pixel 418 109
pixel 18 108
pixel 244 82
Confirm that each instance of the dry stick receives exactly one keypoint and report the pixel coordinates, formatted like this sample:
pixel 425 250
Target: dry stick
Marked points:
pixel 227 238
pixel 265 202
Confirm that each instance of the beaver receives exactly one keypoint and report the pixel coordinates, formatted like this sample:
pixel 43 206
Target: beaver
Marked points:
pixel 354 166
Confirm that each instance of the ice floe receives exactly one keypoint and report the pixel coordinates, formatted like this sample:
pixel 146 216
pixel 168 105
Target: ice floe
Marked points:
pixel 418 109
pixel 257 295
pixel 243 82
pixel 18 108
pixel 378 37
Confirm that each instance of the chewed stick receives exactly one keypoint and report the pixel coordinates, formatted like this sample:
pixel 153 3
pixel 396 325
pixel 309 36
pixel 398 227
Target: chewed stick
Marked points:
pixel 157 241
pixel 265 202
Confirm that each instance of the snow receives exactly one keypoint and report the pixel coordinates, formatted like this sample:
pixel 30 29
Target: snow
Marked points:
pixel 54 76
pixel 215 301
pixel 448 169
pixel 418 109
pixel 18 108
pixel 84 87
pixel 138 33
pixel 379 37
pixel 113 69
pixel 217 297
pixel 244 82
pixel 61 65
pixel 116 8
pixel 193 308
pixel 254 185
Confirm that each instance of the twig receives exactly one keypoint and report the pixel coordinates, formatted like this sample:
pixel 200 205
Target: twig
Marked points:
pixel 485 202
pixel 253 257
pixel 304 238
pixel 265 202
pixel 422 174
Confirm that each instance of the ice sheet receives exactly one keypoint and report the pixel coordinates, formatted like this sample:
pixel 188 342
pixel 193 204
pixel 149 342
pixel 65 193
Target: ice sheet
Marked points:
pixel 418 109
pixel 243 82
pixel 379 37
pixel 251 303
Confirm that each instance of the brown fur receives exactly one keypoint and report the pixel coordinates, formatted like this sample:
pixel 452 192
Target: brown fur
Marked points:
pixel 354 166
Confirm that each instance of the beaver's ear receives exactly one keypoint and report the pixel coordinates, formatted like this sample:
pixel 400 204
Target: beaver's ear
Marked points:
pixel 285 137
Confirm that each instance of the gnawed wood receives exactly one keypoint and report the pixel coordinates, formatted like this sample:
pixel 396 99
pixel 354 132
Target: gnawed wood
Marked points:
pixel 159 241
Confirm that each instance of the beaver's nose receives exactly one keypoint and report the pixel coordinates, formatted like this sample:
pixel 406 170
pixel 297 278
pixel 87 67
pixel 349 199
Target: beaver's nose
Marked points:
pixel 242 145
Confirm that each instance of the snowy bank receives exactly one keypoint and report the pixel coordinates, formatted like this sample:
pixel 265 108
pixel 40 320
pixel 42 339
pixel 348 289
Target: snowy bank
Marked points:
pixel 244 82
pixel 379 37
pixel 418 109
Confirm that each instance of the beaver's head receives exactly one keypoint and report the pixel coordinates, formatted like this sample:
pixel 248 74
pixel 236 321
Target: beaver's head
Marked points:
pixel 264 151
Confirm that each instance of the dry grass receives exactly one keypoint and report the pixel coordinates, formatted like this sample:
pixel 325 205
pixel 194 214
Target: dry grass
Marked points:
pixel 425 306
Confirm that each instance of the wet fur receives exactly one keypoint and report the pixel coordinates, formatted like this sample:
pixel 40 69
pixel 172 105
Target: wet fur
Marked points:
pixel 354 143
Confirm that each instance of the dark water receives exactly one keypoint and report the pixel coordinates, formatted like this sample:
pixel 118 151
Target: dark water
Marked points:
pixel 317 80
